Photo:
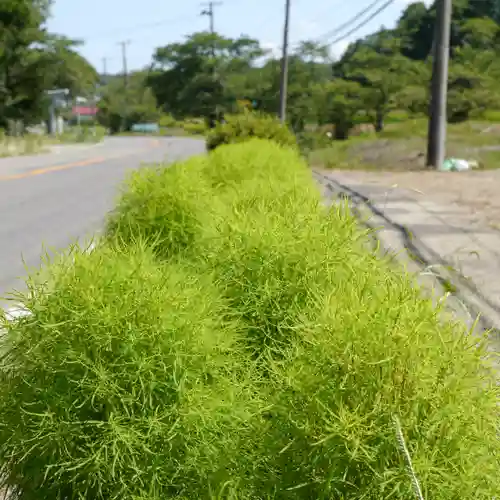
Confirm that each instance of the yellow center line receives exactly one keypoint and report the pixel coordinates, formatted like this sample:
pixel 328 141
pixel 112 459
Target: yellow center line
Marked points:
pixel 66 166
pixel 55 168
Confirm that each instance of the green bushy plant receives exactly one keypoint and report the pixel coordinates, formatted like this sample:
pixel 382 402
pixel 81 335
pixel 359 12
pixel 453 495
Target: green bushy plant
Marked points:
pixel 348 345
pixel 491 115
pixel 167 121
pixel 82 134
pixel 313 140
pixel 364 349
pixel 254 159
pixel 164 206
pixel 195 128
pixel 248 125
pixel 124 383
pixel 345 346
pixel 32 144
pixel 265 193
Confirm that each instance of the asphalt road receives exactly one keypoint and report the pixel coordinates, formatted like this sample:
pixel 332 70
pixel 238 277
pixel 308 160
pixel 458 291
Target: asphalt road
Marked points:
pixel 51 200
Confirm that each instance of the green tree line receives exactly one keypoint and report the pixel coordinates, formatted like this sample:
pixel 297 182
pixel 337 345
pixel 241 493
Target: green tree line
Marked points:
pixel 389 69
pixel 208 74
pixel 33 61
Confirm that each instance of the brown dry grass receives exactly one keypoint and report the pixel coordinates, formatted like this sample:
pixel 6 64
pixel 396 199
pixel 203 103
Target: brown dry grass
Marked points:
pixel 397 157
pixel 402 147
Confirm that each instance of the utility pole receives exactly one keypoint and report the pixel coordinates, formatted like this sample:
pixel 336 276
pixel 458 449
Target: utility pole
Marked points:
pixel 436 136
pixel 104 75
pixel 284 64
pixel 209 11
pixel 104 67
pixel 124 45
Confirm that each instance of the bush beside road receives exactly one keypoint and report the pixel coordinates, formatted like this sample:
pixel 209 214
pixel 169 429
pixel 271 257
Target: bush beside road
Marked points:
pixel 231 315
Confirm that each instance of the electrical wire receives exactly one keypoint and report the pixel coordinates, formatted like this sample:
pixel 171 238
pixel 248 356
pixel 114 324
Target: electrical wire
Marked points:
pixel 323 39
pixel 363 23
pixel 139 27
pixel 349 22
pixel 321 16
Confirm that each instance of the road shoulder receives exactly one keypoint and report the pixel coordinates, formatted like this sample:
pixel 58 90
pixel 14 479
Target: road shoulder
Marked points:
pixel 438 242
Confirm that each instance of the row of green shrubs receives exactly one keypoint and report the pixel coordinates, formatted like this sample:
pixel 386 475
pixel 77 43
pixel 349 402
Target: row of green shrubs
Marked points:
pixel 234 128
pixel 193 126
pixel 82 134
pixel 27 144
pixel 232 338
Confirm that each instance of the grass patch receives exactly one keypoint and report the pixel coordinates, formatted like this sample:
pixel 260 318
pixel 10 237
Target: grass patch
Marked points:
pixel 82 134
pixel 19 146
pixel 32 144
pixel 259 351
pixel 401 146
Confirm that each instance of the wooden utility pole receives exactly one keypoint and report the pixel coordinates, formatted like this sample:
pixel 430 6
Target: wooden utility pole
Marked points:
pixel 124 45
pixel 104 66
pixel 104 74
pixel 436 137
pixel 209 11
pixel 284 64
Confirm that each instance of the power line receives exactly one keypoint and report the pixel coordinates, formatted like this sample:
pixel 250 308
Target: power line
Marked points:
pixel 137 27
pixel 363 23
pixel 353 19
pixel 324 13
pixel 323 38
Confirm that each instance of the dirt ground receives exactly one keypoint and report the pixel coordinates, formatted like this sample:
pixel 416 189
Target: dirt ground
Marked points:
pixel 478 191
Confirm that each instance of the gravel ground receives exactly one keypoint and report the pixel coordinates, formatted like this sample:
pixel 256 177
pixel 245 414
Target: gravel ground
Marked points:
pixel 477 192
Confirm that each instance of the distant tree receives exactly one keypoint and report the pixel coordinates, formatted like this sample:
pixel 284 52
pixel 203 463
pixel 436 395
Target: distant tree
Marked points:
pixel 340 103
pixel 189 78
pixel 383 71
pixel 68 69
pixel 120 108
pixel 33 61
pixel 22 34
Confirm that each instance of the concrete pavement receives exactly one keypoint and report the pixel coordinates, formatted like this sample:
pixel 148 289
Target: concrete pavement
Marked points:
pixel 51 200
pixel 442 243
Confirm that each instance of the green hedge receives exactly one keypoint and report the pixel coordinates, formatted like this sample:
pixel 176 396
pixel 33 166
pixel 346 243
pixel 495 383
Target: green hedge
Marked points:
pixel 267 354
pixel 195 127
pixel 249 125
pixel 162 206
pixel 124 383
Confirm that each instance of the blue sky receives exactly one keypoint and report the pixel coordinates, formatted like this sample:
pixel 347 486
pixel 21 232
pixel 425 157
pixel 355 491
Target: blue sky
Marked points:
pixel 152 23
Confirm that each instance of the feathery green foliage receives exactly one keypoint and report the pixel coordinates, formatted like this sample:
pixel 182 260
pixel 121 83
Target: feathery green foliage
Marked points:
pixel 125 382
pixel 270 361
pixel 249 125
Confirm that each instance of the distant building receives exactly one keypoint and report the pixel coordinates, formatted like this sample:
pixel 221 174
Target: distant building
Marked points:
pixel 80 114
pixel 87 111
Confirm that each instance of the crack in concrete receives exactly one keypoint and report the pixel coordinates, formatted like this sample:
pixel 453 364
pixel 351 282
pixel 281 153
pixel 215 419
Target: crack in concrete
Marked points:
pixel 449 279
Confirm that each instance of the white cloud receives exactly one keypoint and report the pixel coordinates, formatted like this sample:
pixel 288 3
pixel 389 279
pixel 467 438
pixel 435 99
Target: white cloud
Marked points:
pixel 274 48
pixel 339 48
pixel 305 30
